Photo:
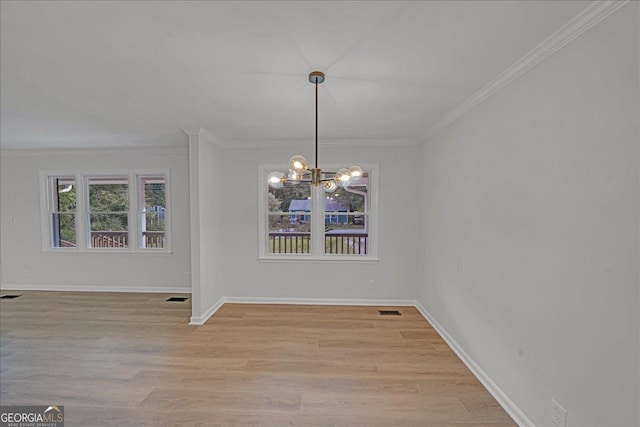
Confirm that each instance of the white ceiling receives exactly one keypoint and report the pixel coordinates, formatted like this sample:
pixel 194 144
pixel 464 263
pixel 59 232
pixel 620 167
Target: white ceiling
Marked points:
pixel 113 74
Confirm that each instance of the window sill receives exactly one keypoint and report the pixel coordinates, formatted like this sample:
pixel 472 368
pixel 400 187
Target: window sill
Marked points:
pixel 96 251
pixel 313 259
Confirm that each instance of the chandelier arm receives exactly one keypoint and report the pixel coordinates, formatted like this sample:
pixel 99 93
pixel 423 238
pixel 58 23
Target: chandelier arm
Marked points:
pixel 305 181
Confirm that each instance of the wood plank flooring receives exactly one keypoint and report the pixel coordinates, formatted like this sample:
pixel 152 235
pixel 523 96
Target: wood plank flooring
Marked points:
pixel 115 359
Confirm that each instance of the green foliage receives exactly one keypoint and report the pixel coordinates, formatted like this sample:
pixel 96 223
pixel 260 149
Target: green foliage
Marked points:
pixel 67 227
pixel 274 206
pixel 293 192
pixel 109 204
pixel 109 197
pixel 66 203
pixel 353 200
pixel 273 203
pixel 154 194
pixel 109 222
pixel 154 222
pixel 66 200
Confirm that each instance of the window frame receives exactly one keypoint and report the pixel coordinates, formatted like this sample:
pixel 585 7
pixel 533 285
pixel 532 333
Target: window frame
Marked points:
pixel 83 231
pixel 317 194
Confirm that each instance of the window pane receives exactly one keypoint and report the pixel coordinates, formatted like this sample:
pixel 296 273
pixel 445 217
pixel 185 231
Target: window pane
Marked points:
pixel 109 230
pixel 152 205
pixel 153 189
pixel 108 194
pixel 64 230
pixel 346 219
pixel 289 219
pixel 153 226
pixel 65 194
pixel 63 208
pixel 110 197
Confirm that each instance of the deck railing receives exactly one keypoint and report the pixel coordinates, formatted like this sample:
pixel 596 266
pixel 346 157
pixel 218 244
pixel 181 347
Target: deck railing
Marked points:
pixel 289 243
pixel 335 243
pixel 154 239
pixel 343 243
pixel 120 239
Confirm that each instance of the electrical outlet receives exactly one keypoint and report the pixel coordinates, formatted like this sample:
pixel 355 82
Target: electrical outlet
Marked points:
pixel 558 414
pixel 372 284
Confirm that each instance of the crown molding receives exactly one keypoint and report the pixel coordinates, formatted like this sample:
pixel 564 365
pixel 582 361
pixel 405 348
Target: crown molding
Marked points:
pixel 192 130
pixel 590 16
pixel 202 133
pixel 80 151
pixel 351 143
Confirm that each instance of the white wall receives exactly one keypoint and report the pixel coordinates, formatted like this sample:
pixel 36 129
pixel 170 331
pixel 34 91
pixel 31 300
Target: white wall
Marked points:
pixel 394 274
pixel 530 231
pixel 208 256
pixel 25 265
pixel 212 225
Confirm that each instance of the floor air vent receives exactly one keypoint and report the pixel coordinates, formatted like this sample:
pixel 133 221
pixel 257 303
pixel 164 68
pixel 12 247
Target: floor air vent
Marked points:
pixel 9 296
pixel 178 299
pixel 389 313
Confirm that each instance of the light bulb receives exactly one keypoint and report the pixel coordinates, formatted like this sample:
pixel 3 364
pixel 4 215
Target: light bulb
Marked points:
pixel 298 165
pixel 356 173
pixel 293 177
pixel 330 186
pixel 276 179
pixel 343 177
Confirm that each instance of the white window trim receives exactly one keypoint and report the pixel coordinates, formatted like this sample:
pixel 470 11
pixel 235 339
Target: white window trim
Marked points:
pixel 82 189
pixel 372 256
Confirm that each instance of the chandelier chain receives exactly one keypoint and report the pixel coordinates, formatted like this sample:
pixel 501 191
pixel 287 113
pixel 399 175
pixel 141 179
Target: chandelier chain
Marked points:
pixel 316 124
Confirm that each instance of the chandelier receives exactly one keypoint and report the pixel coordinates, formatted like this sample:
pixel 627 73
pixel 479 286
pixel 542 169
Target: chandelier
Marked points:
pixel 299 168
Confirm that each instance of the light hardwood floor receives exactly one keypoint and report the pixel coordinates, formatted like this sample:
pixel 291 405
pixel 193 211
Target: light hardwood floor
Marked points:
pixel 115 359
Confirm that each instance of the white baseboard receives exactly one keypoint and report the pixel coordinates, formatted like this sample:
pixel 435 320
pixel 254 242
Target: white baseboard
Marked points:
pixel 319 301
pixel 507 404
pixel 201 320
pixel 98 288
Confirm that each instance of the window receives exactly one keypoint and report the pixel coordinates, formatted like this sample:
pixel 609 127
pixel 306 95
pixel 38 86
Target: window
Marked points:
pixel 152 211
pixel 62 212
pixel 108 211
pixel 124 211
pixel 305 222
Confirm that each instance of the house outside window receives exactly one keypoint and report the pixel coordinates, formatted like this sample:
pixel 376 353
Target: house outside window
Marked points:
pixel 106 211
pixel 301 221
